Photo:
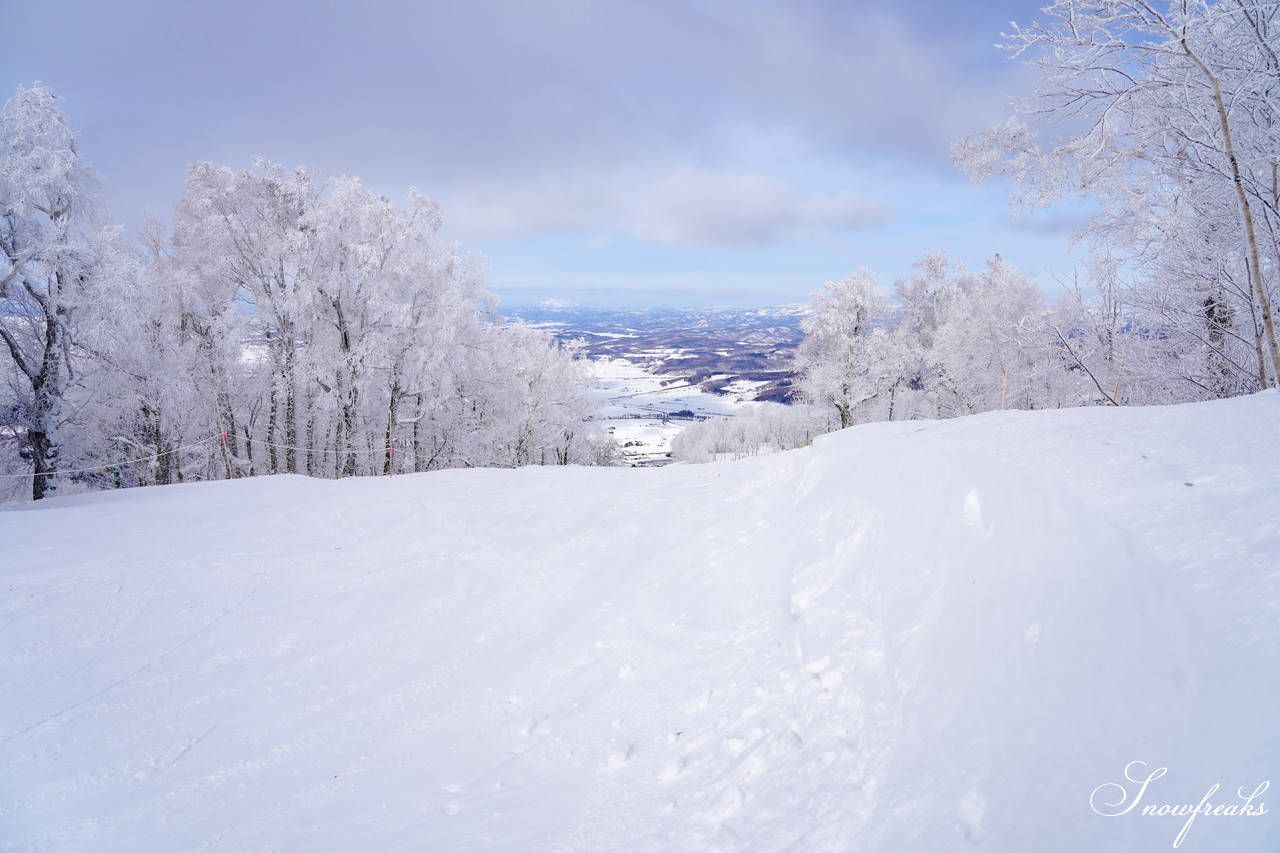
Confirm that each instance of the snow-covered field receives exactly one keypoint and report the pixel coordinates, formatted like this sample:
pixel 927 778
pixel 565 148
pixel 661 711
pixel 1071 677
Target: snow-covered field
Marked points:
pixel 910 637
pixel 638 400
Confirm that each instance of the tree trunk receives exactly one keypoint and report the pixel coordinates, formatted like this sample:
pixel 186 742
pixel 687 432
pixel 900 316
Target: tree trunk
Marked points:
pixel 44 455
pixel 1246 213
pixel 46 387
pixel 290 424
pixel 393 410
pixel 273 437
pixel 347 425
pixel 163 457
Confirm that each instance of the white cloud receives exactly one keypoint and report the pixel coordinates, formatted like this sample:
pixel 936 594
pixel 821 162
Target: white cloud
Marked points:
pixel 517 210
pixel 700 208
pixel 675 206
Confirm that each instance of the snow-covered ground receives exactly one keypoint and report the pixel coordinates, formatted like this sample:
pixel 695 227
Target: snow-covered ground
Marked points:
pixel 910 637
pixel 638 402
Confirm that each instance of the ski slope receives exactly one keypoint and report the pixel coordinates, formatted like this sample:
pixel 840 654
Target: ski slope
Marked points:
pixel 916 636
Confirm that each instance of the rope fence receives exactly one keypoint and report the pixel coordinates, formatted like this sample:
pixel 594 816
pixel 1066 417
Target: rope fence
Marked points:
pixel 222 436
pixel 107 467
pixel 353 451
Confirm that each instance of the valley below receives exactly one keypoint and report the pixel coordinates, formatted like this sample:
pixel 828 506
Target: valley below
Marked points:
pixel 662 369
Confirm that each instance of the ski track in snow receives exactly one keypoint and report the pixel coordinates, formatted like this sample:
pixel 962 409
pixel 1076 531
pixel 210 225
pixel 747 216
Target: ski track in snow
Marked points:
pixel 921 636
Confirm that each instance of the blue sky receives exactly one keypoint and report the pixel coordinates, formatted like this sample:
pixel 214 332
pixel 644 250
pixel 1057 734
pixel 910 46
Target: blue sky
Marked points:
pixel 607 153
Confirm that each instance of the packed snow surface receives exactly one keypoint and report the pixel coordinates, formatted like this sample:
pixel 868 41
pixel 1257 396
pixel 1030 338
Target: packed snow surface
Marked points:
pixel 909 637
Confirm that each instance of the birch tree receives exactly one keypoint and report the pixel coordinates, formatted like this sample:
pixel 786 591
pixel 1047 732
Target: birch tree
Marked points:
pixel 367 345
pixel 833 360
pixel 52 258
pixel 1177 105
pixel 952 343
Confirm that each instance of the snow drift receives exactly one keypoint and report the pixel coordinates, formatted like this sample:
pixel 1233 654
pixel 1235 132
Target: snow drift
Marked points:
pixel 910 637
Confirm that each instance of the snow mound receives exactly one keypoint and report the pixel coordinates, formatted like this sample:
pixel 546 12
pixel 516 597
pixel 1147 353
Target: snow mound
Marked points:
pixel 910 637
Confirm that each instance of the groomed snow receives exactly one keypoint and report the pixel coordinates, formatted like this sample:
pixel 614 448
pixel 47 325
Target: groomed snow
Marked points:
pixel 910 637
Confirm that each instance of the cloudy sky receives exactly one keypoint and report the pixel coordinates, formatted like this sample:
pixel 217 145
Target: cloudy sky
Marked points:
pixel 650 152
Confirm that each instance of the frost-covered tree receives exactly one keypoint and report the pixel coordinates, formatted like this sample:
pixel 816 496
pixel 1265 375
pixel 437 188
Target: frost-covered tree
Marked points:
pixel 760 429
pixel 1176 105
pixel 155 402
pixel 52 260
pixel 989 348
pixel 365 345
pixel 550 400
pixel 835 362
pixel 246 237
pixel 972 342
pixel 953 342
pixel 291 323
